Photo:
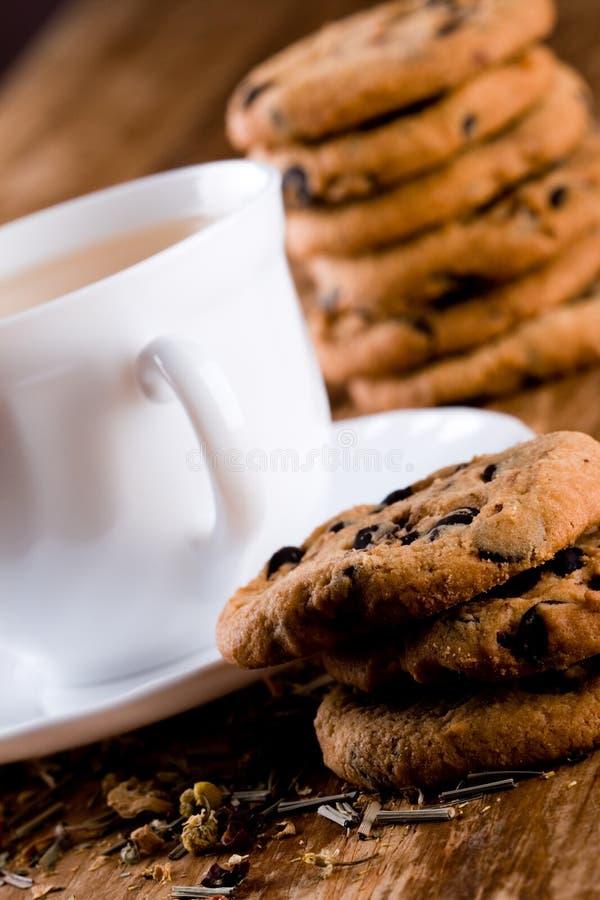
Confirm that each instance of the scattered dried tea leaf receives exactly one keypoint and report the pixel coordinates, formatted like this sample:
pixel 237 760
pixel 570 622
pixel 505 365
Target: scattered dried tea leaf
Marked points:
pixel 227 876
pixel 187 802
pixel 15 880
pixel 303 791
pixel 161 873
pixel 283 830
pixel 200 833
pixel 147 841
pixel 236 836
pixel 130 854
pixel 42 890
pixel 131 798
pixel 327 861
pixel 98 863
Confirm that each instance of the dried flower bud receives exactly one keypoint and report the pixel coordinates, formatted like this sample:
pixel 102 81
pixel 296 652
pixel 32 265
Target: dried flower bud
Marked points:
pixel 208 795
pixel 200 833
pixel 187 802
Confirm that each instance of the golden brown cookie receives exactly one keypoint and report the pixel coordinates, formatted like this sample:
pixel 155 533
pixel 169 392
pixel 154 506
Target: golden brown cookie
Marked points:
pixel 424 548
pixel 367 160
pixel 470 181
pixel 424 737
pixel 519 232
pixel 380 60
pixel 542 619
pixel 356 343
pixel 555 343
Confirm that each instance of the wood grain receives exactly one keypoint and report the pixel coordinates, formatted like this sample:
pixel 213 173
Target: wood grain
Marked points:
pixel 537 842
pixel 110 91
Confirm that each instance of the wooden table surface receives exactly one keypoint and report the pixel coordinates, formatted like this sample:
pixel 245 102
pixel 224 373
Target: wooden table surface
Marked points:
pixel 113 90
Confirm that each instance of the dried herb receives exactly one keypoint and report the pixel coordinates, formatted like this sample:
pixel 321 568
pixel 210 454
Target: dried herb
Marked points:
pixel 195 893
pixel 31 825
pixel 147 840
pixel 328 861
pixel 474 791
pixel 14 879
pixel 227 876
pixel 200 833
pixel 368 820
pixel 312 803
pixel 415 816
pixel 257 796
pixel 334 815
pixel 283 830
pixel 132 798
pixel 503 774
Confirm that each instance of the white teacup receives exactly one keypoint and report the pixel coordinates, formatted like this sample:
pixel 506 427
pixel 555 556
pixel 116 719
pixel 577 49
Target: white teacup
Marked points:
pixel 121 517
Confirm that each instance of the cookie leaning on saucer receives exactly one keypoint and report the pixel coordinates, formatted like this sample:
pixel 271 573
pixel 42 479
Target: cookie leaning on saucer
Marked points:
pixel 542 619
pixel 554 343
pixel 392 55
pixel 519 232
pixel 457 533
pixel 424 738
pixel 364 161
pixel 352 343
pixel 467 182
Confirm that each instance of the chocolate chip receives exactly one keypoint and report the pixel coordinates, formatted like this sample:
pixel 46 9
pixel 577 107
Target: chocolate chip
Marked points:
pixel 254 91
pixel 295 186
pixel 468 125
pixel 489 473
pixel 552 682
pixel 594 583
pixel 409 538
pixel 282 557
pixel 450 26
pixel 566 561
pixel 460 288
pixel 396 496
pixel 558 196
pixel 337 526
pixel 518 585
pixel 460 517
pixel 422 324
pixel 364 537
pixel 494 556
pixel 530 642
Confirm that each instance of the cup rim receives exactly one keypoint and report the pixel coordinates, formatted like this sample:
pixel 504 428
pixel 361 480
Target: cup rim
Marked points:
pixel 271 181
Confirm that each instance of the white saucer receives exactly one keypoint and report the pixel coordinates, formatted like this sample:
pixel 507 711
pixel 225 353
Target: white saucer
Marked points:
pixel 370 457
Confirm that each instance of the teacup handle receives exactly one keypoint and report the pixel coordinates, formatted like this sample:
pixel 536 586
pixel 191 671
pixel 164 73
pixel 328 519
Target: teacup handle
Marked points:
pixel 171 367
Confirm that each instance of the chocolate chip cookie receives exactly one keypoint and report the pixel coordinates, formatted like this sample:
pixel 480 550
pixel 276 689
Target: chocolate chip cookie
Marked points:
pixel 364 161
pixel 545 618
pixel 525 229
pixel 423 549
pixel 357 342
pixel 393 55
pixel 469 181
pixel 421 738
pixel 555 343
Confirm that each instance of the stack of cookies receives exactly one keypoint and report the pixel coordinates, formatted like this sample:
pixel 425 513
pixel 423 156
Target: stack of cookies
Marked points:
pixel 460 616
pixel 442 181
